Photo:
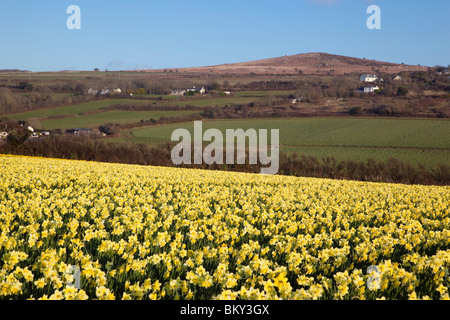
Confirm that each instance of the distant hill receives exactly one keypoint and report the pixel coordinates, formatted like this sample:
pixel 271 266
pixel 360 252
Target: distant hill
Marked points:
pixel 13 70
pixel 309 63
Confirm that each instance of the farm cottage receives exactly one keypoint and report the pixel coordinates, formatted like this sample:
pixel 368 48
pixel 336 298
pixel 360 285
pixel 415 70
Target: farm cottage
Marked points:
pixel 369 89
pixel 368 78
pixel 201 91
pixel 182 92
pixel 178 92
pixel 79 131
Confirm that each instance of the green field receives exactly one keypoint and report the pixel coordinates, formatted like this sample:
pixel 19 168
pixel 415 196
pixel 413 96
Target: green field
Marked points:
pixel 168 101
pixel 71 110
pixel 424 142
pixel 215 101
pixel 115 116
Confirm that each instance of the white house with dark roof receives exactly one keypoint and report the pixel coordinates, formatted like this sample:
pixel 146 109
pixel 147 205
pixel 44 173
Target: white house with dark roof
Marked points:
pixel 368 78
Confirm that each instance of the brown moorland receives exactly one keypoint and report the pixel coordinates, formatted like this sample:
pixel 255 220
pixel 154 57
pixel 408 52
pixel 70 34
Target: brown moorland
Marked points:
pixel 307 63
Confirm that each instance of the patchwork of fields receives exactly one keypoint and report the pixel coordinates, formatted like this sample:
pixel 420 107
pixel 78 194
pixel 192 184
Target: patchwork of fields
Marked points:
pixel 102 105
pixel 414 141
pixel 96 113
pixel 138 232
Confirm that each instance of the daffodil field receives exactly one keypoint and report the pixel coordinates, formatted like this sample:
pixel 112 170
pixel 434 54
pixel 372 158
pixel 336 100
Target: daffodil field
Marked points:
pixel 137 232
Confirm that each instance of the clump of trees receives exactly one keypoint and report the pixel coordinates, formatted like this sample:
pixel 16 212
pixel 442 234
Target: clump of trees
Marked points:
pixel 402 91
pixel 12 102
pixel 18 133
pixel 25 86
pixel 354 111
pixel 109 129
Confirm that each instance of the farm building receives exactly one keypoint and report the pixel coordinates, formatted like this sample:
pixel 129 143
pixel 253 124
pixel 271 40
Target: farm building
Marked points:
pixel 104 91
pixel 368 78
pixel 92 91
pixel 369 89
pixel 182 92
pixel 202 90
pixel 178 92
pixel 78 132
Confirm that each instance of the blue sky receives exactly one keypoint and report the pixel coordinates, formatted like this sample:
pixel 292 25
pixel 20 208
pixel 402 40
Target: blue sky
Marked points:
pixel 120 35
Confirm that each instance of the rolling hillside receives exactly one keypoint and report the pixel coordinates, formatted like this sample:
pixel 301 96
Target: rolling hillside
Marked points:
pixel 309 63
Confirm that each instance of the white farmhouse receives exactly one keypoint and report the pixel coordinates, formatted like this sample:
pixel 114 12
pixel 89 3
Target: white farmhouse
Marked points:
pixel 370 89
pixel 202 90
pixel 178 92
pixel 368 78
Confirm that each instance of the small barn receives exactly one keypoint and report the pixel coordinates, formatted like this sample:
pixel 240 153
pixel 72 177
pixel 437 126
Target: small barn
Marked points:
pixel 369 89
pixel 178 92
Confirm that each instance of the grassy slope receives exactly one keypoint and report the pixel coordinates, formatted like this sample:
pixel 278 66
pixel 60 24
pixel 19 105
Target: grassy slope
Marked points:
pixel 97 105
pixel 70 110
pixel 97 119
